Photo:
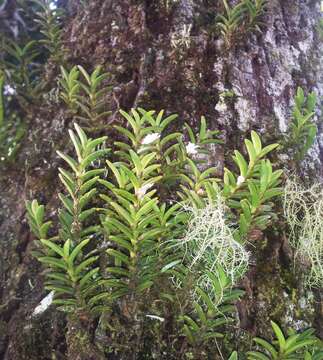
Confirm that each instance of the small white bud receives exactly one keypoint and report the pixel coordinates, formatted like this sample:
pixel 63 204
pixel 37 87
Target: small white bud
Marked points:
pixel 240 180
pixel 9 90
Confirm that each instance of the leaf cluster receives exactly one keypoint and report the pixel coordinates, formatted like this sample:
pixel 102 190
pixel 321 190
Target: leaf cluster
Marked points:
pixel 240 19
pixel 85 96
pixel 251 190
pixel 137 220
pixel 295 346
pixel 50 23
pixel 72 271
pixel 12 129
pixel 135 223
pixel 201 325
pixel 302 130
pixel 119 223
pixel 20 66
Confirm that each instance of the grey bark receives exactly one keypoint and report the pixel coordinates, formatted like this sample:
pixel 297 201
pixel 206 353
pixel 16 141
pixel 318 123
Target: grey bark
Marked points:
pixel 166 54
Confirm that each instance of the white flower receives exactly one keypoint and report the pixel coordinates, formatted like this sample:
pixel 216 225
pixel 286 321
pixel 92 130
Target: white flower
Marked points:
pixel 141 192
pixel 52 5
pixel 191 148
pixel 155 317
pixel 44 304
pixel 240 180
pixel 9 90
pixel 150 138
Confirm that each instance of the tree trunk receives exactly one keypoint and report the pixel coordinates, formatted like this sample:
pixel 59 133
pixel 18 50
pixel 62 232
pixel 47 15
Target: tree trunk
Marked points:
pixel 167 54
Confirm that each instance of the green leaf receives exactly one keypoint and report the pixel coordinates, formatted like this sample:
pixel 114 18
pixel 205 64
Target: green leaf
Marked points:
pixel 68 203
pixel 117 174
pixel 123 213
pixel 256 142
pixel 255 355
pixel 301 344
pixel 77 145
pixel 88 185
pixel 92 144
pixel 81 134
pixel 66 249
pixel 88 277
pixel 279 334
pixel 300 97
pixel 202 134
pixel 192 324
pixel 144 285
pixel 266 345
pixel 93 157
pixel 76 251
pixel 84 264
pixel 241 162
pixel 85 74
pixel 53 246
pixel 71 162
pixel 267 149
pixel 131 121
pixel 52 262
pixel 119 255
pixel 121 242
pixel 251 151
pixel 188 334
pixel 86 213
pixel 136 162
pixel 170 265
pixel 234 356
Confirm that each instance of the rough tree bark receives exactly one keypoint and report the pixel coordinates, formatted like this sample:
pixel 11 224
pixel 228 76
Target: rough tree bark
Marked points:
pixel 136 42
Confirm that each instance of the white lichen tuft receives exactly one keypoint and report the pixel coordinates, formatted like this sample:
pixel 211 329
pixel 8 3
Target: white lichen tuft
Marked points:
pixel 209 243
pixel 182 38
pixel 44 304
pixel 303 209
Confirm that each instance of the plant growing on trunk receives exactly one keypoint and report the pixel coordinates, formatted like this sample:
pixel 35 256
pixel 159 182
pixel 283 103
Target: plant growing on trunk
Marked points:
pixel 85 97
pixel 137 259
pixel 70 87
pixel 250 190
pixel 292 347
pixel 71 261
pixel 240 19
pixel 302 129
pixel 21 68
pixel 12 129
pixel 50 22
pixel 92 102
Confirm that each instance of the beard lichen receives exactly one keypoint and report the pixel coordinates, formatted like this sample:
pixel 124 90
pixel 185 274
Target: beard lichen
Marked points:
pixel 303 208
